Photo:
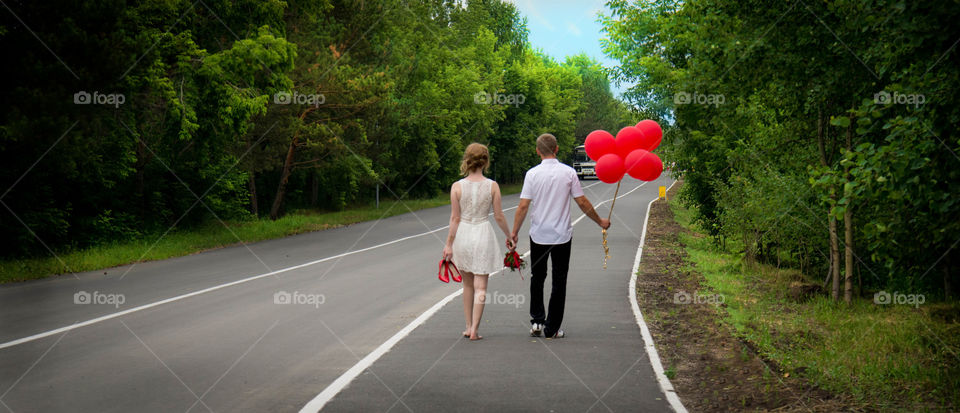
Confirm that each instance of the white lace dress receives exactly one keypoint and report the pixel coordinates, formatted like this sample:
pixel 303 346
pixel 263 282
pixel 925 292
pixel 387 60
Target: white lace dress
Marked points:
pixel 475 248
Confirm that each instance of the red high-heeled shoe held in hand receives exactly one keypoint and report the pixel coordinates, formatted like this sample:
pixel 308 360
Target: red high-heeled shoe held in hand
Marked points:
pixel 444 271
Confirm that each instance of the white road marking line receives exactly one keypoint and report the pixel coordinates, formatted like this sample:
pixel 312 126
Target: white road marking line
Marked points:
pixel 341 382
pixel 206 290
pixel 662 379
pixel 195 293
pixel 344 380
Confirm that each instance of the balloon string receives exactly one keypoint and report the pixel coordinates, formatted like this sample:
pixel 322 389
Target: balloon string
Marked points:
pixel 606 249
pixel 614 199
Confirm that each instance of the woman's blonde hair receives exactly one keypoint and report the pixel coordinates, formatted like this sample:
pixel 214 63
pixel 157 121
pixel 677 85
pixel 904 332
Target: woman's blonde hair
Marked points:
pixel 476 156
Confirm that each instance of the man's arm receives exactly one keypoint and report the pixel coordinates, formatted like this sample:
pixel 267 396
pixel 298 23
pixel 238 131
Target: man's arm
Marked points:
pixel 587 208
pixel 518 219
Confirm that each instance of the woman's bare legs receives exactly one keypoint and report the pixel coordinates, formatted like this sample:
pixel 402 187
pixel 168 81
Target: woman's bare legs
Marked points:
pixel 480 298
pixel 467 300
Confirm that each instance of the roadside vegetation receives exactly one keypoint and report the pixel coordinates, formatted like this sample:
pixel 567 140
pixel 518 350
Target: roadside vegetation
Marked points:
pixel 819 136
pixel 887 357
pixel 213 234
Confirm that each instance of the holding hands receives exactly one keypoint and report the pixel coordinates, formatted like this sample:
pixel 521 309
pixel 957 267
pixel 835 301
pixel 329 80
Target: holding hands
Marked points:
pixel 512 241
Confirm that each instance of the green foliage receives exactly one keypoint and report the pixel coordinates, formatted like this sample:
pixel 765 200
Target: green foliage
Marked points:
pixel 827 109
pixel 599 108
pixel 235 110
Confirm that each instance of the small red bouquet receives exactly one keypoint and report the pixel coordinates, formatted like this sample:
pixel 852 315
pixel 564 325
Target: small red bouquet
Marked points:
pixel 513 261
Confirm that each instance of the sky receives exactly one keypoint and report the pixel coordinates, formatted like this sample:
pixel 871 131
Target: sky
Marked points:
pixel 566 27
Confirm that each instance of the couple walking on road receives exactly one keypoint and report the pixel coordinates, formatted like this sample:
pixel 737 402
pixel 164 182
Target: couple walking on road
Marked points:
pixel 472 244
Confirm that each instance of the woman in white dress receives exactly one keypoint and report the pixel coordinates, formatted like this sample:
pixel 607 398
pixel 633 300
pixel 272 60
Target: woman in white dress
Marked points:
pixel 471 243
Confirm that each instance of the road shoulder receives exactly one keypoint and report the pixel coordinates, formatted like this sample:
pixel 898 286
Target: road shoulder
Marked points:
pixel 710 368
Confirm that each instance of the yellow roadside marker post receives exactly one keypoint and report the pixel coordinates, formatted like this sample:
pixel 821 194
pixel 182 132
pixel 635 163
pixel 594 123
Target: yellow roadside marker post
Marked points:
pixel 663 192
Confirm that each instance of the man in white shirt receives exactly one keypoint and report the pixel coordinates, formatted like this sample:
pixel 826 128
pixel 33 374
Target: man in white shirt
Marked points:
pixel 548 187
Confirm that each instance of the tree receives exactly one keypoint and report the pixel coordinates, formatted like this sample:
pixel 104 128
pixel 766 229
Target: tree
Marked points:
pixel 809 92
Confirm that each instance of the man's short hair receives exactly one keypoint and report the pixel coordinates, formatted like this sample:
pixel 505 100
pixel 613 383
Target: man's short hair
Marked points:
pixel 547 144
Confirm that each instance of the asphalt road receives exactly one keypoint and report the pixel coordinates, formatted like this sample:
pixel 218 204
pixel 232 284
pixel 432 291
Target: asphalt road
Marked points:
pixel 268 326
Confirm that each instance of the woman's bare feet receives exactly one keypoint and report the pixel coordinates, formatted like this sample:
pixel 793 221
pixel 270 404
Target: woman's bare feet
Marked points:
pixel 466 334
pixel 474 336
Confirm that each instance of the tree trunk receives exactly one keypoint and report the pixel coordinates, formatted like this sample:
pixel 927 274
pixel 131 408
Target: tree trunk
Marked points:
pixel 284 177
pixel 834 248
pixel 776 252
pixel 140 167
pixel 314 188
pixel 760 253
pixel 848 256
pixel 834 254
pixel 287 168
pixel 254 208
pixel 848 229
pixel 826 280
pixel 802 251
pixel 758 246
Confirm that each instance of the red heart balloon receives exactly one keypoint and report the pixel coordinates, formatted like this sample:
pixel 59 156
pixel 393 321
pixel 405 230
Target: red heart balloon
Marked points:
pixel 599 143
pixel 628 139
pixel 643 165
pixel 609 168
pixel 652 134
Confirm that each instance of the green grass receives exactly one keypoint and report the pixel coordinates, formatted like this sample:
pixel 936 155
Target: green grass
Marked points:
pixel 891 357
pixel 180 242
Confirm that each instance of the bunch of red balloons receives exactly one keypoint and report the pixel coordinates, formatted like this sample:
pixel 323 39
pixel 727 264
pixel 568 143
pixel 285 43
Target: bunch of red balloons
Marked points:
pixel 631 152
